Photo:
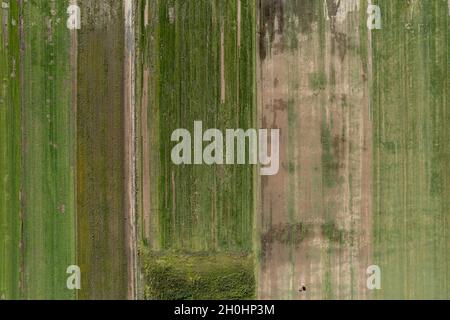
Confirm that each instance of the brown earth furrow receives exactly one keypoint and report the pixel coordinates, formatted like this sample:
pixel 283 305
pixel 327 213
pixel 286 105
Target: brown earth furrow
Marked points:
pixel 103 188
pixel 129 145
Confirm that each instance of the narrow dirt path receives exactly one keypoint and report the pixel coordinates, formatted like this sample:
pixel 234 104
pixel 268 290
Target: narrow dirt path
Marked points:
pixel 130 144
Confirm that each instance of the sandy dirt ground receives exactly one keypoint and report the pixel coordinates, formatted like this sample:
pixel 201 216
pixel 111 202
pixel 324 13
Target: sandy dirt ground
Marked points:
pixel 130 147
pixel 315 214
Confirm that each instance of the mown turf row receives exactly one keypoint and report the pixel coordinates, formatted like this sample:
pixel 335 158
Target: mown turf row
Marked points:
pixel 410 102
pixel 48 152
pixel 198 65
pixel 10 154
pixel 101 215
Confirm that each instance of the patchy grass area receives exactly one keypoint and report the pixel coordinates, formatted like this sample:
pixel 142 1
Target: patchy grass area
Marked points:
pixel 198 276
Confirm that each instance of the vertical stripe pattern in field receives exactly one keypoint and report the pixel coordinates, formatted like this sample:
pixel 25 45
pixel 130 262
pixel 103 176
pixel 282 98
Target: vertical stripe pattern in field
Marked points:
pixel 101 214
pixel 57 128
pixel 411 71
pixel 37 190
pixel 86 170
pixel 364 149
pixel 10 154
pixel 47 192
pixel 200 72
pixel 198 65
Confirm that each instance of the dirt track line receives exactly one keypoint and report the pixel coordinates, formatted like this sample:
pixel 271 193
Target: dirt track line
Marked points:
pixel 130 147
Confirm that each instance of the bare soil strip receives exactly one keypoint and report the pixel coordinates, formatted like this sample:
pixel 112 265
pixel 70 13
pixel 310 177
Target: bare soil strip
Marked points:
pixel 314 215
pixel 130 145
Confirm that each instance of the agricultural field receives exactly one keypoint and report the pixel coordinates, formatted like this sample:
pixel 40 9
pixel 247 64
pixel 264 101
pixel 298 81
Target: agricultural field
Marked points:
pixel 197 65
pixel 37 220
pixel 364 149
pixel 62 152
pixel 411 150
pixel 315 215
pixel 96 95
pixel 10 155
pixel 101 227
pixel 47 191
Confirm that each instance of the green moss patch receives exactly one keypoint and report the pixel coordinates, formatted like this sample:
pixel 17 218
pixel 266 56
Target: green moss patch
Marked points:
pixel 199 276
